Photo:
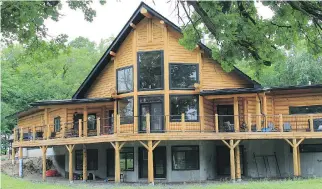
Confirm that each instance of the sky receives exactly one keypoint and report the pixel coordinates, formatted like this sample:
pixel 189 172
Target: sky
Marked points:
pixel 111 18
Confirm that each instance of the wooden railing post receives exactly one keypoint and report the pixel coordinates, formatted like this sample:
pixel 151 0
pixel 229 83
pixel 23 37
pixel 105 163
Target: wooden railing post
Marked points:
pixel 48 131
pixel 148 123
pixel 249 122
pixel 281 122
pixel 21 134
pixel 80 128
pixel 34 133
pixel 236 115
pixel 183 123
pixel 63 130
pixel 98 126
pixel 118 124
pixel 216 123
pixel 311 123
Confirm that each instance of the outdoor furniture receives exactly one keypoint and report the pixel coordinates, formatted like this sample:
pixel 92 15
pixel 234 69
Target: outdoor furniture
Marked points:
pixel 228 127
pixel 270 128
pixel 287 127
pixel 317 124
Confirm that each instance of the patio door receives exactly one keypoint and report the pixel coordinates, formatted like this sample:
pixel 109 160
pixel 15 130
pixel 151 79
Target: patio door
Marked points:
pixel 159 162
pixel 153 106
pixel 225 113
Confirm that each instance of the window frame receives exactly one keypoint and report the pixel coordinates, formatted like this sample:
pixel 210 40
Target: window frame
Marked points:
pixel 138 71
pixel 185 169
pixel 289 109
pixel 130 97
pixel 88 151
pixel 128 152
pixel 55 129
pixel 198 111
pixel 183 64
pixel 123 68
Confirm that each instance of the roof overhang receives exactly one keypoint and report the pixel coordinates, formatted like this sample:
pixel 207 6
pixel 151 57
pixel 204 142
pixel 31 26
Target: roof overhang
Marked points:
pixel 71 101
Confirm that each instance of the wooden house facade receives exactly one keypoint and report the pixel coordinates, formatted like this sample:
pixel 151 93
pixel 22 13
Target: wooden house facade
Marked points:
pixel 151 109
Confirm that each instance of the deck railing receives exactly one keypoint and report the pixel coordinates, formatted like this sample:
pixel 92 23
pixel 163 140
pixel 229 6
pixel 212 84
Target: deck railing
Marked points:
pixel 174 123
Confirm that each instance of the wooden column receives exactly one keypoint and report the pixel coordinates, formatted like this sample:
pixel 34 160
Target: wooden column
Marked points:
pixel 98 126
pixel 34 133
pixel 80 128
pixel 21 134
pixel 201 114
pixel 311 124
pixel 258 114
pixel 85 122
pixel 232 146
pixel 115 113
pixel 118 124
pixel 13 155
pixel 245 108
pixel 249 122
pixel 84 163
pixel 294 144
pixel 150 163
pixel 103 116
pixel 265 110
pixel 20 162
pixel 148 123
pixel 299 161
pixel 135 83
pixel 236 114
pixel 117 162
pixel 238 171
pixel 281 123
pixel 70 149
pixel 44 162
pixel 183 123
pixel 216 123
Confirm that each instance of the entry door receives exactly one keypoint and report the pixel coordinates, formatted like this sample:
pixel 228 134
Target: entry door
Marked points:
pixel 155 110
pixel 159 162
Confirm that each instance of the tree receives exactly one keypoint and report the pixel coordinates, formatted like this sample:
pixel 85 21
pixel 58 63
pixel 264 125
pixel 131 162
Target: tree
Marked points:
pixel 237 32
pixel 24 20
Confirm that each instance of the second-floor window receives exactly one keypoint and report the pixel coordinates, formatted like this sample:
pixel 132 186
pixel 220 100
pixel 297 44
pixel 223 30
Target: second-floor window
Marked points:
pixel 125 80
pixel 183 76
pixel 57 124
pixel 187 104
pixel 125 110
pixel 150 70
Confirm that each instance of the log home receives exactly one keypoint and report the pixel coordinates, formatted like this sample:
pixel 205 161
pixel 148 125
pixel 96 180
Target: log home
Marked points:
pixel 150 110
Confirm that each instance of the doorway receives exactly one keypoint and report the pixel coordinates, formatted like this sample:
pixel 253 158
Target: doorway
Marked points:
pixel 154 106
pixel 159 162
pixel 110 163
pixel 225 113
pixel 223 160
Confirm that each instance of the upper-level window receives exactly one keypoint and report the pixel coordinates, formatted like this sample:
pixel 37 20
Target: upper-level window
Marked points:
pixel 125 110
pixel 187 104
pixel 183 76
pixel 125 79
pixel 57 124
pixel 305 109
pixel 150 70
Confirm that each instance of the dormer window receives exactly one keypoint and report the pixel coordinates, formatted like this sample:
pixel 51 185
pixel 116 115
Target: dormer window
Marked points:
pixel 124 79
pixel 150 70
pixel 183 76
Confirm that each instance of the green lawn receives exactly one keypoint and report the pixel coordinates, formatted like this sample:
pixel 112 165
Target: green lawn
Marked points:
pixel 13 183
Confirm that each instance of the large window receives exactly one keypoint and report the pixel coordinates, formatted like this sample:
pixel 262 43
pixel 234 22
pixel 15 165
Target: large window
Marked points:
pixel 125 110
pixel 305 109
pixel 185 157
pixel 92 159
pixel 183 76
pixel 127 159
pixel 187 104
pixel 125 80
pixel 57 124
pixel 150 66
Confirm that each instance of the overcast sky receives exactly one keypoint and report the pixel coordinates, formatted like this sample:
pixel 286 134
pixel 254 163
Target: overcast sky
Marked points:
pixel 111 17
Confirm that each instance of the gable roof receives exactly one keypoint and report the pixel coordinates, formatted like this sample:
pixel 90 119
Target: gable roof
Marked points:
pixel 115 45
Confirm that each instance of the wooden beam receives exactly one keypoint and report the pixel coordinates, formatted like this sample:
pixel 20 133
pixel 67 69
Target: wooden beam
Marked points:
pixel 121 146
pixel 299 142
pixel 85 122
pixel 245 108
pixel 238 171
pixel 281 123
pixel 143 144
pixel 98 126
pixel 311 123
pixel 70 149
pixel 148 123
pixel 299 161
pixel 288 142
pixel 112 53
pixel 236 114
pixel 258 114
pixel 202 113
pixel 183 123
pixel 84 163
pixel 80 128
pixel 295 162
pixel 133 25
pixel 232 161
pixel 113 144
pixel 145 13
pixel 236 144
pixel 150 163
pixel 118 124
pixel 44 162
pixel 210 97
pixel 265 109
pixel 117 163
pixel 249 123
pixel 216 123
pixel 226 143
pixel 156 144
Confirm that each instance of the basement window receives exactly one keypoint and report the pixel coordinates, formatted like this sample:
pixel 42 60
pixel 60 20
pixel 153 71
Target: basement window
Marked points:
pixel 92 159
pixel 150 70
pixel 183 76
pixel 127 159
pixel 124 80
pixel 185 157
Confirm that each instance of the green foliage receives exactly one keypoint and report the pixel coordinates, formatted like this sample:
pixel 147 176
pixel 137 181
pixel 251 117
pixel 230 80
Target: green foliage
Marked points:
pixel 24 20
pixel 237 32
pixel 47 72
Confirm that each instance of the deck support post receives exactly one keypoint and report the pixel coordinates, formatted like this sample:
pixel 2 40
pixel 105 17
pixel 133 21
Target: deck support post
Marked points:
pixel 236 114
pixel 84 163
pixel 150 163
pixel 44 162
pixel 238 171
pixel 296 164
pixel 232 146
pixel 70 149
pixel 299 161
pixel 117 162
pixel 20 162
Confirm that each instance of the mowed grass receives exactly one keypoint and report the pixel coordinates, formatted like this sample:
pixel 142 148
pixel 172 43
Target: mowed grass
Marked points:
pixel 8 182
